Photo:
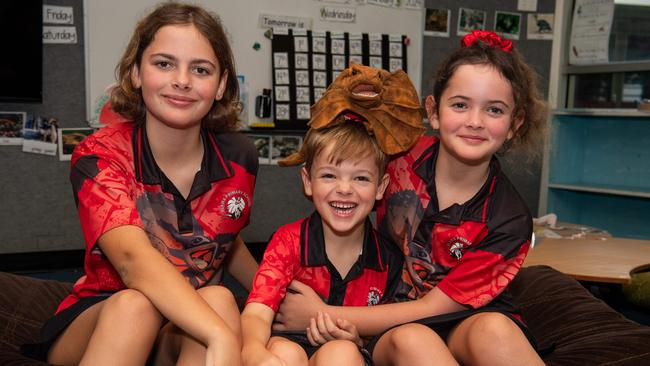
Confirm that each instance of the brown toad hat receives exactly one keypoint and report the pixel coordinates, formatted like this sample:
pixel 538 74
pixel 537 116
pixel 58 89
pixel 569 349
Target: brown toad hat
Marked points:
pixel 387 102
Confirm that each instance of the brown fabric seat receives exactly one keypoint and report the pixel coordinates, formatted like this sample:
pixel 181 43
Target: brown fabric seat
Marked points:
pixel 558 310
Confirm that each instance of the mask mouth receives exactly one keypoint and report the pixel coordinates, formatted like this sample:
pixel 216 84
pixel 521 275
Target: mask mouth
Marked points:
pixel 365 91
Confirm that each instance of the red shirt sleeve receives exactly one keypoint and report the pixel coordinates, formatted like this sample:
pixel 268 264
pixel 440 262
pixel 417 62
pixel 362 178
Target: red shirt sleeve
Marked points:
pixel 281 258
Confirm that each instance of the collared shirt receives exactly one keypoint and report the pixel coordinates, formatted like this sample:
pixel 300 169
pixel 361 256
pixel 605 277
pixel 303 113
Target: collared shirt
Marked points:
pixel 117 182
pixel 297 251
pixel 470 251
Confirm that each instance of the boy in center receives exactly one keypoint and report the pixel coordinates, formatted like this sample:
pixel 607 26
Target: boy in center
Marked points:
pixel 335 250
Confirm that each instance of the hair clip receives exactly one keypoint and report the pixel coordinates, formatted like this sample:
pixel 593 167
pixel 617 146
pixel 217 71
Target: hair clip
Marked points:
pixel 488 37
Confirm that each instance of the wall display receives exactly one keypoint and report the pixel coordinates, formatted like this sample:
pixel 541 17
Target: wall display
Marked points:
pixel 283 146
pixel 11 127
pixel 507 25
pixel 40 135
pixel 263 145
pixel 540 26
pixel 436 22
pixel 69 138
pixel 469 20
pixel 306 62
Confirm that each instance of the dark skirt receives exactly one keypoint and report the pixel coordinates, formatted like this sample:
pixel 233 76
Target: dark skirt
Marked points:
pixel 56 325
pixel 445 323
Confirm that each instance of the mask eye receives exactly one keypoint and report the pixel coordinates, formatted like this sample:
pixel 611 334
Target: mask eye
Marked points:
pixel 355 72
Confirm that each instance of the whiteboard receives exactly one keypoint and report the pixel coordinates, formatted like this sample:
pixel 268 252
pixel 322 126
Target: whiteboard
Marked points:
pixel 109 25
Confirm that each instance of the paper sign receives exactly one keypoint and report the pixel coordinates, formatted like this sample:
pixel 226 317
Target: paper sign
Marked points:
pixel 592 22
pixel 54 34
pixel 527 5
pixel 338 14
pixel 282 21
pixel 57 14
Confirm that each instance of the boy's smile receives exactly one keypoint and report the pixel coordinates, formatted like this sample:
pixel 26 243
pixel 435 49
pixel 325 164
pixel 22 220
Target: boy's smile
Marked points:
pixel 343 194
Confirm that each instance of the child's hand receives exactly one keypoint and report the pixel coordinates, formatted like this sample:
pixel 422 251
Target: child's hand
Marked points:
pixel 300 304
pixel 323 329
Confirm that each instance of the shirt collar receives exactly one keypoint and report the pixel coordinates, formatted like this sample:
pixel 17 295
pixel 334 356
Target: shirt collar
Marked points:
pixel 213 166
pixel 472 210
pixel 312 245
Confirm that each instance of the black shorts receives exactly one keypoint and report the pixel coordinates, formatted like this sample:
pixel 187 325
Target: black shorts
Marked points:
pixel 56 325
pixel 303 341
pixel 445 323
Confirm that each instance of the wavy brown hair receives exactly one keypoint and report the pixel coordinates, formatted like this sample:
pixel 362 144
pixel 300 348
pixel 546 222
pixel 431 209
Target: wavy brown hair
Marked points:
pixel 523 80
pixel 127 100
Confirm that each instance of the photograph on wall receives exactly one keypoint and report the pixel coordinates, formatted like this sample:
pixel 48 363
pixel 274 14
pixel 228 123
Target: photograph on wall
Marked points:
pixel 69 138
pixel 283 146
pixel 263 145
pixel 11 127
pixel 469 20
pixel 436 22
pixel 40 135
pixel 540 26
pixel 507 24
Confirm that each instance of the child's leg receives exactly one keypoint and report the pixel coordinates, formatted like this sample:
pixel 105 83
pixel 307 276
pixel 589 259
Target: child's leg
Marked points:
pixel 288 351
pixel 222 301
pixel 491 339
pixel 411 344
pixel 339 353
pixel 117 331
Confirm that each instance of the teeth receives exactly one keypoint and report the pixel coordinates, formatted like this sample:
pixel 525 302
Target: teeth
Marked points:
pixel 365 94
pixel 343 206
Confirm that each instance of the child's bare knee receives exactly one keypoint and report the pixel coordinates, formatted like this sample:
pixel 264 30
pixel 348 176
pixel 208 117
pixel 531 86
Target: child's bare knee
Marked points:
pixel 339 352
pixel 217 296
pixel 290 352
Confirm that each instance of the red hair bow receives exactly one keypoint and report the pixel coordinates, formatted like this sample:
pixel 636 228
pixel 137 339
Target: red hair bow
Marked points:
pixel 488 37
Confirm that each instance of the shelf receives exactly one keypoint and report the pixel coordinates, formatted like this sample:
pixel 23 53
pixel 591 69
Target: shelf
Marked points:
pixel 602 112
pixel 605 189
pixel 621 216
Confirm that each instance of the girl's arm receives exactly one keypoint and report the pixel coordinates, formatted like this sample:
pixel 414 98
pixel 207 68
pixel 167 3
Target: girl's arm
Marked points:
pixel 256 322
pixel 143 268
pixel 242 266
pixel 302 303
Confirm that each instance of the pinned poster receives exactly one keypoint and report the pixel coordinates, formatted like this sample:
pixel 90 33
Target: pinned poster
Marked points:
pixel 592 22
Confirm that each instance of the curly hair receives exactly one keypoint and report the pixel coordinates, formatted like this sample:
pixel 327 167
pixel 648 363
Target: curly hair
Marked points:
pixel 127 100
pixel 529 104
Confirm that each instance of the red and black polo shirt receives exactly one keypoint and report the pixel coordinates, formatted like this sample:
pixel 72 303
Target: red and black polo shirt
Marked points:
pixel 117 182
pixel 471 251
pixel 297 251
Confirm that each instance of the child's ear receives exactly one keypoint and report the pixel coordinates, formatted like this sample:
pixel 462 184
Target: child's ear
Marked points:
pixel 223 81
pixel 135 76
pixel 432 114
pixel 306 181
pixel 516 123
pixel 383 184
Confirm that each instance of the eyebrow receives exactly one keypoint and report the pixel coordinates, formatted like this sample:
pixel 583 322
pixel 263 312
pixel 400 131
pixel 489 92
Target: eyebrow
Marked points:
pixel 495 101
pixel 193 62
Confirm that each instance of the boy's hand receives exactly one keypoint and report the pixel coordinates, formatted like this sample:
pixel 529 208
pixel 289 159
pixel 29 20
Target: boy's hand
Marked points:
pixel 299 305
pixel 323 329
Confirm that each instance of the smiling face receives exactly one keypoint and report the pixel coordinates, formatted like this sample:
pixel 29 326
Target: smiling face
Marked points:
pixel 179 76
pixel 474 115
pixel 343 194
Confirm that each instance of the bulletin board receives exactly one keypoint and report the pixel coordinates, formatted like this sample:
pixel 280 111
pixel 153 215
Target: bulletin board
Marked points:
pixel 305 62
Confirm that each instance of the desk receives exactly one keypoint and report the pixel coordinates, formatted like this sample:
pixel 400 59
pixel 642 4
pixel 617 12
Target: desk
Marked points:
pixel 611 260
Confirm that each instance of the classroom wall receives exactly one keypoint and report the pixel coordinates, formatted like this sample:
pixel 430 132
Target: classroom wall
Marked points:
pixel 37 208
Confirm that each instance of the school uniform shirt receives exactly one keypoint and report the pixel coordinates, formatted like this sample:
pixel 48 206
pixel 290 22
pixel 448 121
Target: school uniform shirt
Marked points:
pixel 117 182
pixel 470 251
pixel 297 251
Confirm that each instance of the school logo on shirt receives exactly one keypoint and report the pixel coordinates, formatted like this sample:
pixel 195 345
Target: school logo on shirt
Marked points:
pixel 457 246
pixel 374 295
pixel 234 204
